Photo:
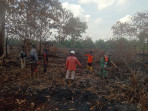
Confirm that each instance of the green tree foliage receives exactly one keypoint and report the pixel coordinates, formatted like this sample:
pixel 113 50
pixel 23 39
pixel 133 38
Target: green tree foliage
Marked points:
pixel 100 44
pixel 88 43
pixel 140 22
pixel 143 36
pixel 64 19
pixel 122 30
pixel 74 28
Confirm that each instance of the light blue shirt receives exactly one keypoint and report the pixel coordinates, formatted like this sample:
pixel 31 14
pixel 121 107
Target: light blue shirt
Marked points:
pixel 33 52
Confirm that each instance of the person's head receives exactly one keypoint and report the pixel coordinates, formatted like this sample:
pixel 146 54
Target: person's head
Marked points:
pixel 90 52
pixel 33 46
pixel 72 52
pixel 103 52
pixel 23 47
pixel 109 55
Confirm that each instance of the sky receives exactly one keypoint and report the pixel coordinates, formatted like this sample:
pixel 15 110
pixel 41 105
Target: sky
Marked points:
pixel 101 15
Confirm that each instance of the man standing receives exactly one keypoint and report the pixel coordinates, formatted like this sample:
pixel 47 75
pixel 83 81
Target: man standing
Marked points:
pixel 89 61
pixel 34 61
pixel 23 57
pixel 104 63
pixel 71 66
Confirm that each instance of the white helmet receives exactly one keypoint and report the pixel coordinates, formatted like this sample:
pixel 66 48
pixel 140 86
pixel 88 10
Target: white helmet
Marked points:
pixel 72 52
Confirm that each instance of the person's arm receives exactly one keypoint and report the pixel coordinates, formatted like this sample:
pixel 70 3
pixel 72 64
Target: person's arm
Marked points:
pixel 78 62
pixel 87 55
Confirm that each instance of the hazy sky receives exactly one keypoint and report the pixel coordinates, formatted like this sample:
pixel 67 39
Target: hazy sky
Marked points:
pixel 101 15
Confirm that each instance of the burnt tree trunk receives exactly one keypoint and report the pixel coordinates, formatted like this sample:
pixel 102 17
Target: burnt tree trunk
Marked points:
pixel 2 25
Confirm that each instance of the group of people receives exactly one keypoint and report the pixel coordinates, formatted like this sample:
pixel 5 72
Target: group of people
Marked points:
pixel 33 60
pixel 70 65
pixel 71 62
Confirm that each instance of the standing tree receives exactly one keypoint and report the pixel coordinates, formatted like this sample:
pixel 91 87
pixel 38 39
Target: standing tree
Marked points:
pixel 140 23
pixel 122 29
pixel 31 19
pixel 88 43
pixel 100 44
pixel 2 25
pixel 74 28
pixel 46 15
pixel 142 38
pixel 137 28
pixel 63 20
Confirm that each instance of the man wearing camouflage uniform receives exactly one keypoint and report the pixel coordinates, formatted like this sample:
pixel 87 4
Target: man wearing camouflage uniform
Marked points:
pixel 104 64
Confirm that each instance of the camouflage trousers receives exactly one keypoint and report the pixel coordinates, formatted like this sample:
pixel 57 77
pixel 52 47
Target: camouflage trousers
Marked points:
pixel 103 72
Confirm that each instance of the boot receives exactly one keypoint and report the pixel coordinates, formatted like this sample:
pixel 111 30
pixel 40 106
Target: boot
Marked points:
pixel 91 68
pixel 87 67
pixel 69 82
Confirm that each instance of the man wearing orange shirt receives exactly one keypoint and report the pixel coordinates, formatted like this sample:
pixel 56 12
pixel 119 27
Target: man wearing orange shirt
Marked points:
pixel 71 66
pixel 89 61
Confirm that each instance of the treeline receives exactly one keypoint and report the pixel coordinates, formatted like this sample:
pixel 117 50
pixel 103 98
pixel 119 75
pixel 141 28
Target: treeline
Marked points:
pixel 87 43
pixel 121 44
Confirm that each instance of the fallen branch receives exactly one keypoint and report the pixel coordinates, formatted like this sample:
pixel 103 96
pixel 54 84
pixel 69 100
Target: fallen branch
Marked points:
pixel 114 65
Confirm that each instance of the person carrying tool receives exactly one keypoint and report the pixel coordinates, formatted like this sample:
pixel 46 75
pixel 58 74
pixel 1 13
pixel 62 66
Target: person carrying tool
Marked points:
pixel 33 61
pixel 23 57
pixel 45 57
pixel 70 66
pixel 104 63
pixel 89 61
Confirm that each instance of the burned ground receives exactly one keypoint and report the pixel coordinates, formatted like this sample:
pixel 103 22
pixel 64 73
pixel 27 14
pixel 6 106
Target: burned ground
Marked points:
pixel 123 91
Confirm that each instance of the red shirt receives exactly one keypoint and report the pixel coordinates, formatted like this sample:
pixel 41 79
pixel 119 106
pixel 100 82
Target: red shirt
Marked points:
pixel 71 63
pixel 90 58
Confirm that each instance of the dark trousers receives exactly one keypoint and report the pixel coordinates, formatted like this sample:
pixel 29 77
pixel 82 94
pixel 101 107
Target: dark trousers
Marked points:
pixel 45 67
